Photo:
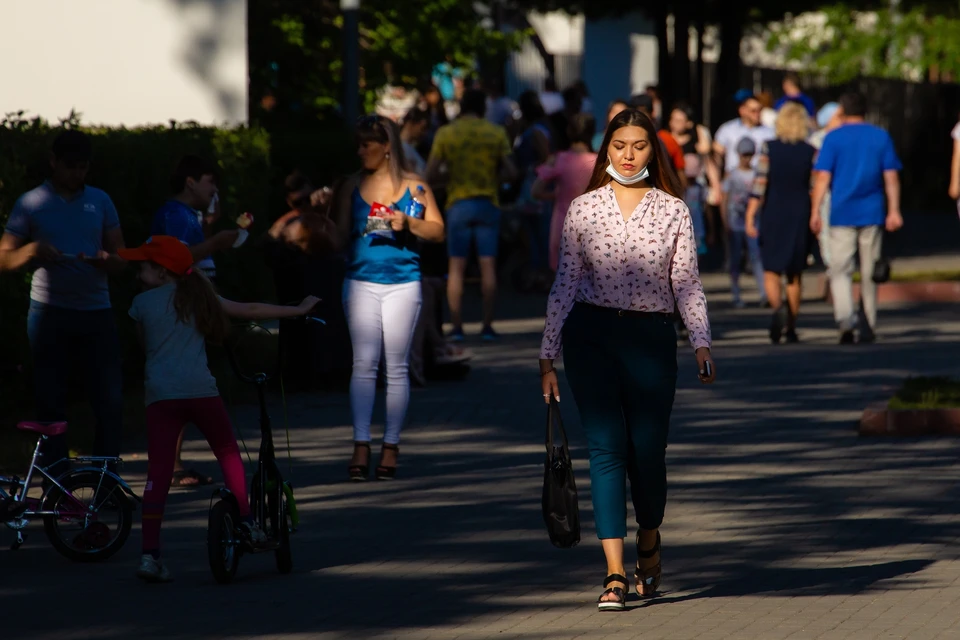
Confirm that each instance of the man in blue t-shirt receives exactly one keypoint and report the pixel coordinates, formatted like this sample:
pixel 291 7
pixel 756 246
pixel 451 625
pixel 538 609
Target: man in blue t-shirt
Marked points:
pixel 793 93
pixel 861 169
pixel 69 234
pixel 187 214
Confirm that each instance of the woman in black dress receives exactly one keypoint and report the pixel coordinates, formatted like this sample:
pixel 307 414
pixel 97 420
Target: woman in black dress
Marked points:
pixel 781 195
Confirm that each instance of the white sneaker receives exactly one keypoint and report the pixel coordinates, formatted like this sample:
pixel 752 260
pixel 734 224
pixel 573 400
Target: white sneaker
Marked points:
pixel 253 533
pixel 153 570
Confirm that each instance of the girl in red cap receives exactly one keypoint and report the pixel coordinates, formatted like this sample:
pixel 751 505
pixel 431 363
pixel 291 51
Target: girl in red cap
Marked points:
pixel 178 312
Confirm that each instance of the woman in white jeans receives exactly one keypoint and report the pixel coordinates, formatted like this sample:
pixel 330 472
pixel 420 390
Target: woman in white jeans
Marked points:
pixel 382 288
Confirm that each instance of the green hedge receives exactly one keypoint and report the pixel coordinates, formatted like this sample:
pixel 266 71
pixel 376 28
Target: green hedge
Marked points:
pixel 133 166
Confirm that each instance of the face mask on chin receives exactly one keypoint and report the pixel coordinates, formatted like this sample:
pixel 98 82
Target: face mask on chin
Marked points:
pixel 627 180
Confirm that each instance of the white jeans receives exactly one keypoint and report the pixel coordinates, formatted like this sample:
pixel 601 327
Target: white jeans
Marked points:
pixel 382 318
pixel 845 244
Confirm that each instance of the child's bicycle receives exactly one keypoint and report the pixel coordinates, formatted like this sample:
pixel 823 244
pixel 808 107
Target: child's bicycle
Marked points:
pixel 87 511
pixel 271 498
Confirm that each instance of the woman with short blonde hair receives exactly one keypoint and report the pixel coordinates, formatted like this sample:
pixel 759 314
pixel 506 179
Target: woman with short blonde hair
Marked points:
pixel 793 123
pixel 781 199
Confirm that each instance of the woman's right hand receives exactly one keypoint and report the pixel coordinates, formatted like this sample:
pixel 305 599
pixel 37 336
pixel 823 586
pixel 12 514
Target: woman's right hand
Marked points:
pixel 549 382
pixel 752 230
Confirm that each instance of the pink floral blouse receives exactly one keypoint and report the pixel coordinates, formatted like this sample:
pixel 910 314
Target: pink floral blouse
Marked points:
pixel 647 263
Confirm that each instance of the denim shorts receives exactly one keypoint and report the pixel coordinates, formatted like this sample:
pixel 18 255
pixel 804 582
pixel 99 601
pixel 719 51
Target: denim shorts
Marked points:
pixel 473 219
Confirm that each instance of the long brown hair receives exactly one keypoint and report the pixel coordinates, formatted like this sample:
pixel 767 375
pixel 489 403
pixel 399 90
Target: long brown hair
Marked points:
pixel 196 301
pixel 376 128
pixel 662 174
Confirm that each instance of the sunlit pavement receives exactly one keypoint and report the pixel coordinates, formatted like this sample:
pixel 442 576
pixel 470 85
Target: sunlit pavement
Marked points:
pixel 781 523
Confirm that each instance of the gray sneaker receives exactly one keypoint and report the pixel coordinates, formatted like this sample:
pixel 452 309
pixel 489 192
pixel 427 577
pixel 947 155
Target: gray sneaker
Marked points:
pixel 253 533
pixel 153 570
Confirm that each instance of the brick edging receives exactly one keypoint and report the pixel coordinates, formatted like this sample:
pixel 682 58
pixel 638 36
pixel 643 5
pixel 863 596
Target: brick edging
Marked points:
pixel 936 291
pixel 878 420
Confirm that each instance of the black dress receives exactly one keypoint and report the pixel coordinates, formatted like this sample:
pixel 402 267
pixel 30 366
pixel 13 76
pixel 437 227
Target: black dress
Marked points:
pixel 785 216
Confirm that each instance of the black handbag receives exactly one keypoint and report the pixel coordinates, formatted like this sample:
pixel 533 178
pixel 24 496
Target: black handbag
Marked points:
pixel 881 268
pixel 881 271
pixel 561 512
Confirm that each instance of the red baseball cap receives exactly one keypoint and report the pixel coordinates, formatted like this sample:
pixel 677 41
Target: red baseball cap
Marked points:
pixel 166 251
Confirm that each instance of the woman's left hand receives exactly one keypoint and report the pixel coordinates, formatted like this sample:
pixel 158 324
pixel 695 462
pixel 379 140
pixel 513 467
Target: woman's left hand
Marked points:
pixel 704 357
pixel 398 220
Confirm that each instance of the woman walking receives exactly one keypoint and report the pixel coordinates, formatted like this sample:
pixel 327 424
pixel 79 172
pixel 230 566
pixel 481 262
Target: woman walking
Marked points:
pixel 695 142
pixel 781 197
pixel 627 257
pixel 382 289
pixel 569 172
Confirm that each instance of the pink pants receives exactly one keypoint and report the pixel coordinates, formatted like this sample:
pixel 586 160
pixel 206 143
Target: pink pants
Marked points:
pixel 165 422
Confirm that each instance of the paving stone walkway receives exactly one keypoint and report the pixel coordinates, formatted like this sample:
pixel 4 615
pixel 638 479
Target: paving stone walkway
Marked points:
pixel 781 523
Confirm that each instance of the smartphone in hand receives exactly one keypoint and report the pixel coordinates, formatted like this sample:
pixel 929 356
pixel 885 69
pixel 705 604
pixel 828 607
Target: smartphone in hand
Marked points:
pixel 706 372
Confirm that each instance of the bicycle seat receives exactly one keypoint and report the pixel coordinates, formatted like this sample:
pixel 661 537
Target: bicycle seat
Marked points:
pixel 48 429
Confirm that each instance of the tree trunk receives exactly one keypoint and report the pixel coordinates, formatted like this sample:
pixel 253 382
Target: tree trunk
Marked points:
pixel 664 61
pixel 681 56
pixel 729 64
pixel 699 79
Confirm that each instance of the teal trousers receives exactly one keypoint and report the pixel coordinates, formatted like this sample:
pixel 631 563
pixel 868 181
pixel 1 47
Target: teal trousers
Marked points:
pixel 622 370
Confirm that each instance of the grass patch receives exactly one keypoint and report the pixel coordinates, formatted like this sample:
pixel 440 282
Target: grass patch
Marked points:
pixel 920 276
pixel 927 393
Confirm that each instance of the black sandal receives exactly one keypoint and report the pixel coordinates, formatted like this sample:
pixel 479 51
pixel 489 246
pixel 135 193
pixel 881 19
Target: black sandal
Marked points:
pixel 387 473
pixel 360 472
pixel 648 581
pixel 621 602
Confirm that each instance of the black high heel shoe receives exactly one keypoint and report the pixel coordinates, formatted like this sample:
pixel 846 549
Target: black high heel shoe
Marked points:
pixel 648 581
pixel 383 472
pixel 360 472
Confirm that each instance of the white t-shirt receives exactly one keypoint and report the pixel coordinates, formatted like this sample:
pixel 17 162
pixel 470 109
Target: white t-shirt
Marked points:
pixel 955 134
pixel 731 133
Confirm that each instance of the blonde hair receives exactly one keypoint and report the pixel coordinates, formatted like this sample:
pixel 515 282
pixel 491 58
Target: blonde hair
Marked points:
pixel 195 301
pixel 793 124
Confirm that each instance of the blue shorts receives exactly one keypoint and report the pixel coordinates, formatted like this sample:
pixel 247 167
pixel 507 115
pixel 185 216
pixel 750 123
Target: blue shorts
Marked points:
pixel 473 219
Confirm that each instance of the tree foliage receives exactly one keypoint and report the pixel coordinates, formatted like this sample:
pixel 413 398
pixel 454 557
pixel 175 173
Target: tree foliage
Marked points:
pixel 906 40
pixel 296 47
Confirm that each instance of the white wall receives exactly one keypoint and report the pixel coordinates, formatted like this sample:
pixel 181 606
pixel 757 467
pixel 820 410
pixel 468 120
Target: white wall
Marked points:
pixel 125 62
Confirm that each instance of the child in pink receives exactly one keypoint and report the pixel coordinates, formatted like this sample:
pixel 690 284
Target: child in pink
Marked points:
pixel 177 312
pixel 571 171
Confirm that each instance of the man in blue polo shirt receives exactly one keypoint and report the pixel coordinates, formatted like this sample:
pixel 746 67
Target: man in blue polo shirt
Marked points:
pixel 70 233
pixel 860 167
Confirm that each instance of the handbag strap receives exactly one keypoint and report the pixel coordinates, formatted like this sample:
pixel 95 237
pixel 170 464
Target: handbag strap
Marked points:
pixel 553 417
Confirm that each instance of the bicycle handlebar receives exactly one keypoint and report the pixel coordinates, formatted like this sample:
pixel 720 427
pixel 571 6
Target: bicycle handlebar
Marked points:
pixel 262 377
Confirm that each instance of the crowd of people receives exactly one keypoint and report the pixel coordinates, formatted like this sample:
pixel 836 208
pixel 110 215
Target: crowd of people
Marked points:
pixel 617 219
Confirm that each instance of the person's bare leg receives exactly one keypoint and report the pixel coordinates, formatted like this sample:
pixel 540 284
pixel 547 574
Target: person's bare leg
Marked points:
pixel 178 463
pixel 488 287
pixel 648 540
pixel 771 284
pixel 613 551
pixel 458 266
pixel 793 300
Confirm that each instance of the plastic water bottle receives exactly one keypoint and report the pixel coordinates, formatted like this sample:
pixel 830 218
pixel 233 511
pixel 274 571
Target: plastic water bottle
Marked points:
pixel 416 208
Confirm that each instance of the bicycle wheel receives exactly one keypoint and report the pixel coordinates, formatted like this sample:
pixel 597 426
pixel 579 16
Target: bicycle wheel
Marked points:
pixel 93 517
pixel 280 528
pixel 223 548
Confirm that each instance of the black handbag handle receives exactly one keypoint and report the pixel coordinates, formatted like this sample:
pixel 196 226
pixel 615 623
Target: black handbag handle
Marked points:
pixel 553 417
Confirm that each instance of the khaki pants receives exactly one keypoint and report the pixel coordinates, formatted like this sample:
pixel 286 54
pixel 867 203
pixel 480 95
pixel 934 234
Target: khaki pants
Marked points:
pixel 845 243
